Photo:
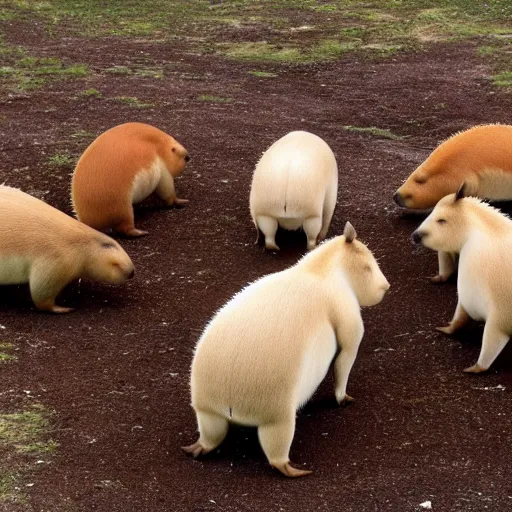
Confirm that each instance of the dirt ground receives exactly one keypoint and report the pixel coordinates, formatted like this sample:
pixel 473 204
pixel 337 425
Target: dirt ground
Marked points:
pixel 116 370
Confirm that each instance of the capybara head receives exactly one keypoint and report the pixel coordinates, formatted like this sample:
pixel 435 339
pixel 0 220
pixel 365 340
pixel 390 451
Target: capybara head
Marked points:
pixel 179 158
pixel 108 262
pixel 423 189
pixel 367 280
pixel 445 228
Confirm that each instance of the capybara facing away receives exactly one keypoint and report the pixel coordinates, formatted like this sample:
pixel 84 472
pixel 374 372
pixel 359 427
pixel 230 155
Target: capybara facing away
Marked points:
pixel 264 354
pixel 295 184
pixel 481 157
pixel 48 249
pixel 123 166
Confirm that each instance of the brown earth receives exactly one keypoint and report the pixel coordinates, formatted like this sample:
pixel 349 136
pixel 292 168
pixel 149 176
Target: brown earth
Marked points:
pixel 116 370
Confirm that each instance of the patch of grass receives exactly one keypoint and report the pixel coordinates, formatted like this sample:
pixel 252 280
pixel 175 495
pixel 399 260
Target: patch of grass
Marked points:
pixel 62 160
pixel 372 130
pixel 27 72
pixel 23 436
pixel 6 352
pixel 262 74
pixel 214 99
pixel 153 73
pixel 119 70
pixel 94 93
pixel 132 101
pixel 82 134
pixel 502 79
pixel 484 51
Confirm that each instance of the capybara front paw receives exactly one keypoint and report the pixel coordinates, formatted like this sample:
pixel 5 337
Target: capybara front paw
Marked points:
pixel 345 400
pixel 180 202
pixel 195 449
pixel 288 470
pixel 439 278
pixel 271 246
pixel 476 368
pixel 135 232
pixel 446 330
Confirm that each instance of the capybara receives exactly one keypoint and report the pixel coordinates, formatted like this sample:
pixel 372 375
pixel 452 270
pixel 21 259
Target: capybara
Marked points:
pixel 123 166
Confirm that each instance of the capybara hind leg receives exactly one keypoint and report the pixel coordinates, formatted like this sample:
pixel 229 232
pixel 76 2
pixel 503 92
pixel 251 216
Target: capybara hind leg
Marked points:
pixel 447 266
pixel 268 226
pixel 276 439
pixel 212 431
pixel 312 227
pixel 493 343
pixel 328 211
pixel 45 285
pixel 127 226
pixel 460 319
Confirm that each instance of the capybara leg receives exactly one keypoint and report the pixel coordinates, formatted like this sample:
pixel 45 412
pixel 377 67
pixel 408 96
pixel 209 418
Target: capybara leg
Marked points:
pixel 127 226
pixel 45 285
pixel 312 227
pixel 328 211
pixel 493 343
pixel 276 439
pixel 460 319
pixel 342 367
pixel 447 266
pixel 166 191
pixel 212 431
pixel 268 226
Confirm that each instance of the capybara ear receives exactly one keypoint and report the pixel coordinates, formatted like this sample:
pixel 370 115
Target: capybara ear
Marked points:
pixel 461 192
pixel 349 232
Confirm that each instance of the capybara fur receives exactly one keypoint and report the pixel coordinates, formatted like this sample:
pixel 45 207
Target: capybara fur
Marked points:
pixel 123 166
pixel 481 157
pixel 264 354
pixel 295 184
pixel 482 237
pixel 48 249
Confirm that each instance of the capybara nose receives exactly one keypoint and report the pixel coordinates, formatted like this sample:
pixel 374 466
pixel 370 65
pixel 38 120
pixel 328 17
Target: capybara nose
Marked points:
pixel 398 199
pixel 131 274
pixel 187 158
pixel 417 237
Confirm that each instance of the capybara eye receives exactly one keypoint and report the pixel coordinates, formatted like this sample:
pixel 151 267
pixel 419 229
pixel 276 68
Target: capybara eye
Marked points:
pixel 420 181
pixel 108 245
pixel 367 268
pixel 174 150
pixel 441 221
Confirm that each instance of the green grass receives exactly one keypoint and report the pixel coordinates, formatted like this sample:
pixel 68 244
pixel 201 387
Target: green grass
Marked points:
pixel 132 101
pixel 62 160
pixel 263 74
pixel 119 70
pixel 502 79
pixel 214 99
pixel 24 435
pixel 83 134
pixel 372 130
pixel 91 93
pixel 6 353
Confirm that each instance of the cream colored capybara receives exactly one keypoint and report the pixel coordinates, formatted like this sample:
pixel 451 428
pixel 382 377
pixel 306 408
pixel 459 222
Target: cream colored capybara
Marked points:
pixel 264 354
pixel 46 248
pixel 482 236
pixel 122 167
pixel 481 157
pixel 295 184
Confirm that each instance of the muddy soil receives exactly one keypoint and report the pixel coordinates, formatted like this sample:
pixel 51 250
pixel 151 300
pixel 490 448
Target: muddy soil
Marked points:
pixel 116 370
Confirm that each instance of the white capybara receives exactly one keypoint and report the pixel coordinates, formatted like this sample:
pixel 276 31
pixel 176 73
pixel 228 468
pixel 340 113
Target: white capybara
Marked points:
pixel 295 184
pixel 48 249
pixel 264 354
pixel 124 166
pixel 481 157
pixel 482 236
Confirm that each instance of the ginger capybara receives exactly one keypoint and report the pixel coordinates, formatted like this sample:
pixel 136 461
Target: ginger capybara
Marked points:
pixel 123 166
pixel 481 157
